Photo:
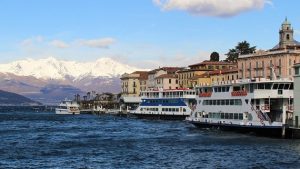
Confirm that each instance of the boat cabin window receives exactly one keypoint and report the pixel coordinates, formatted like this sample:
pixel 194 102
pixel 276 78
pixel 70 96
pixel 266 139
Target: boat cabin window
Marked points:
pixel 221 89
pixel 286 86
pixel 292 86
pixel 236 88
pixel 260 86
pixel 268 86
pixel 280 86
pixel 251 88
pixel 275 86
pixel 221 115
pixel 236 102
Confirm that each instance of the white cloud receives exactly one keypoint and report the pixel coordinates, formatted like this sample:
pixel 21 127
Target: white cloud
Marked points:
pixel 59 44
pixel 32 40
pixel 98 43
pixel 218 8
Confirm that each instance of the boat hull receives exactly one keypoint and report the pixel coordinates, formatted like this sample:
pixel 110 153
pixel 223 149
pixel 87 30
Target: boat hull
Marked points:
pixel 61 111
pixel 266 131
pixel 160 116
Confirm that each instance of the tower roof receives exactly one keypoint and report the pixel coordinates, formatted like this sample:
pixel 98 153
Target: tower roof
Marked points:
pixel 286 22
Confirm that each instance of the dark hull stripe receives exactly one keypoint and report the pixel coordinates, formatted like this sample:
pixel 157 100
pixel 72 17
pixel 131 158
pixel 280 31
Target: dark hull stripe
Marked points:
pixel 266 131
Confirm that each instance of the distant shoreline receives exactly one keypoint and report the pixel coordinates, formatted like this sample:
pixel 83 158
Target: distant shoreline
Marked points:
pixel 37 108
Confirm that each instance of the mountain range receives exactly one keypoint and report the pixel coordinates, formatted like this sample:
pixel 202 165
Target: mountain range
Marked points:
pixel 50 80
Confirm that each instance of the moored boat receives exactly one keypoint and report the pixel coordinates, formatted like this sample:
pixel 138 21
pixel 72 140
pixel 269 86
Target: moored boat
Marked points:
pixel 67 107
pixel 260 106
pixel 172 104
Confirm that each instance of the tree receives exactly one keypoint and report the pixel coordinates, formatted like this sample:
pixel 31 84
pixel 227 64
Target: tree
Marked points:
pixel 232 55
pixel 214 56
pixel 242 48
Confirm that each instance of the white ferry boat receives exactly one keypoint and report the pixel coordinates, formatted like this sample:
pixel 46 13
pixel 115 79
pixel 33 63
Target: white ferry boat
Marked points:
pixel 176 104
pixel 260 106
pixel 67 107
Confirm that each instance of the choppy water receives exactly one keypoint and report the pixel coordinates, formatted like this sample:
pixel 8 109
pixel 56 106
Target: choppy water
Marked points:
pixel 46 140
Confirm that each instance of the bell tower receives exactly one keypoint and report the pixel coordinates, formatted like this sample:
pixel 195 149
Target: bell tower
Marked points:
pixel 286 34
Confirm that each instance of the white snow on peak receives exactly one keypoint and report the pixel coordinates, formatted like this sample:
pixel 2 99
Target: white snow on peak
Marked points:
pixel 53 68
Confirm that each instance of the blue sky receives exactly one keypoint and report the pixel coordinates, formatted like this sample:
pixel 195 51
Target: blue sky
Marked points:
pixel 141 33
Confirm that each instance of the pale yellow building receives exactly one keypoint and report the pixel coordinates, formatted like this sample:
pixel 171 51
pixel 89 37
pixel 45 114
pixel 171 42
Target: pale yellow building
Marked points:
pixel 153 81
pixel 277 61
pixel 224 76
pixel 167 81
pixel 193 75
pixel 134 83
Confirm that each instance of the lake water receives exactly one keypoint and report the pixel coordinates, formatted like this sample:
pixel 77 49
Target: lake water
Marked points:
pixel 46 140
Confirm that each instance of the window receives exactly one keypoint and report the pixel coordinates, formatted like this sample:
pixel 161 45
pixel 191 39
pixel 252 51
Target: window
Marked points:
pixel 170 80
pixel 275 86
pixel 236 116
pixel 296 70
pixel 226 115
pixel 288 37
pixel 241 116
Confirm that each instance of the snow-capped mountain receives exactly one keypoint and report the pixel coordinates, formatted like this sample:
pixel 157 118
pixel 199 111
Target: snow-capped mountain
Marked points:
pixel 51 80
pixel 52 68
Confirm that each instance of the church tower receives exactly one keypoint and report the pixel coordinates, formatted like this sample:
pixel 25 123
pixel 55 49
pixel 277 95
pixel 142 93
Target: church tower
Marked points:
pixel 286 34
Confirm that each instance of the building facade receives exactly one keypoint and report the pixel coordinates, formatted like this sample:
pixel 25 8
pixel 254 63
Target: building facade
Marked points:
pixel 275 63
pixel 167 81
pixel 134 83
pixel 195 74
pixel 224 76
pixel 153 82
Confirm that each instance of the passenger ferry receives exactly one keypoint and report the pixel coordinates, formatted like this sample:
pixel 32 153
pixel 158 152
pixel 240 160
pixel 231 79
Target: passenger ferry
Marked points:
pixel 67 107
pixel 260 106
pixel 170 104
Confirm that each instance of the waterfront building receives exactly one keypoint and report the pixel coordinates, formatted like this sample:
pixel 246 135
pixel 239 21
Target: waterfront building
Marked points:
pixel 159 78
pixel 201 80
pixel 167 81
pixel 224 76
pixel 193 75
pixel 277 61
pixel 134 83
